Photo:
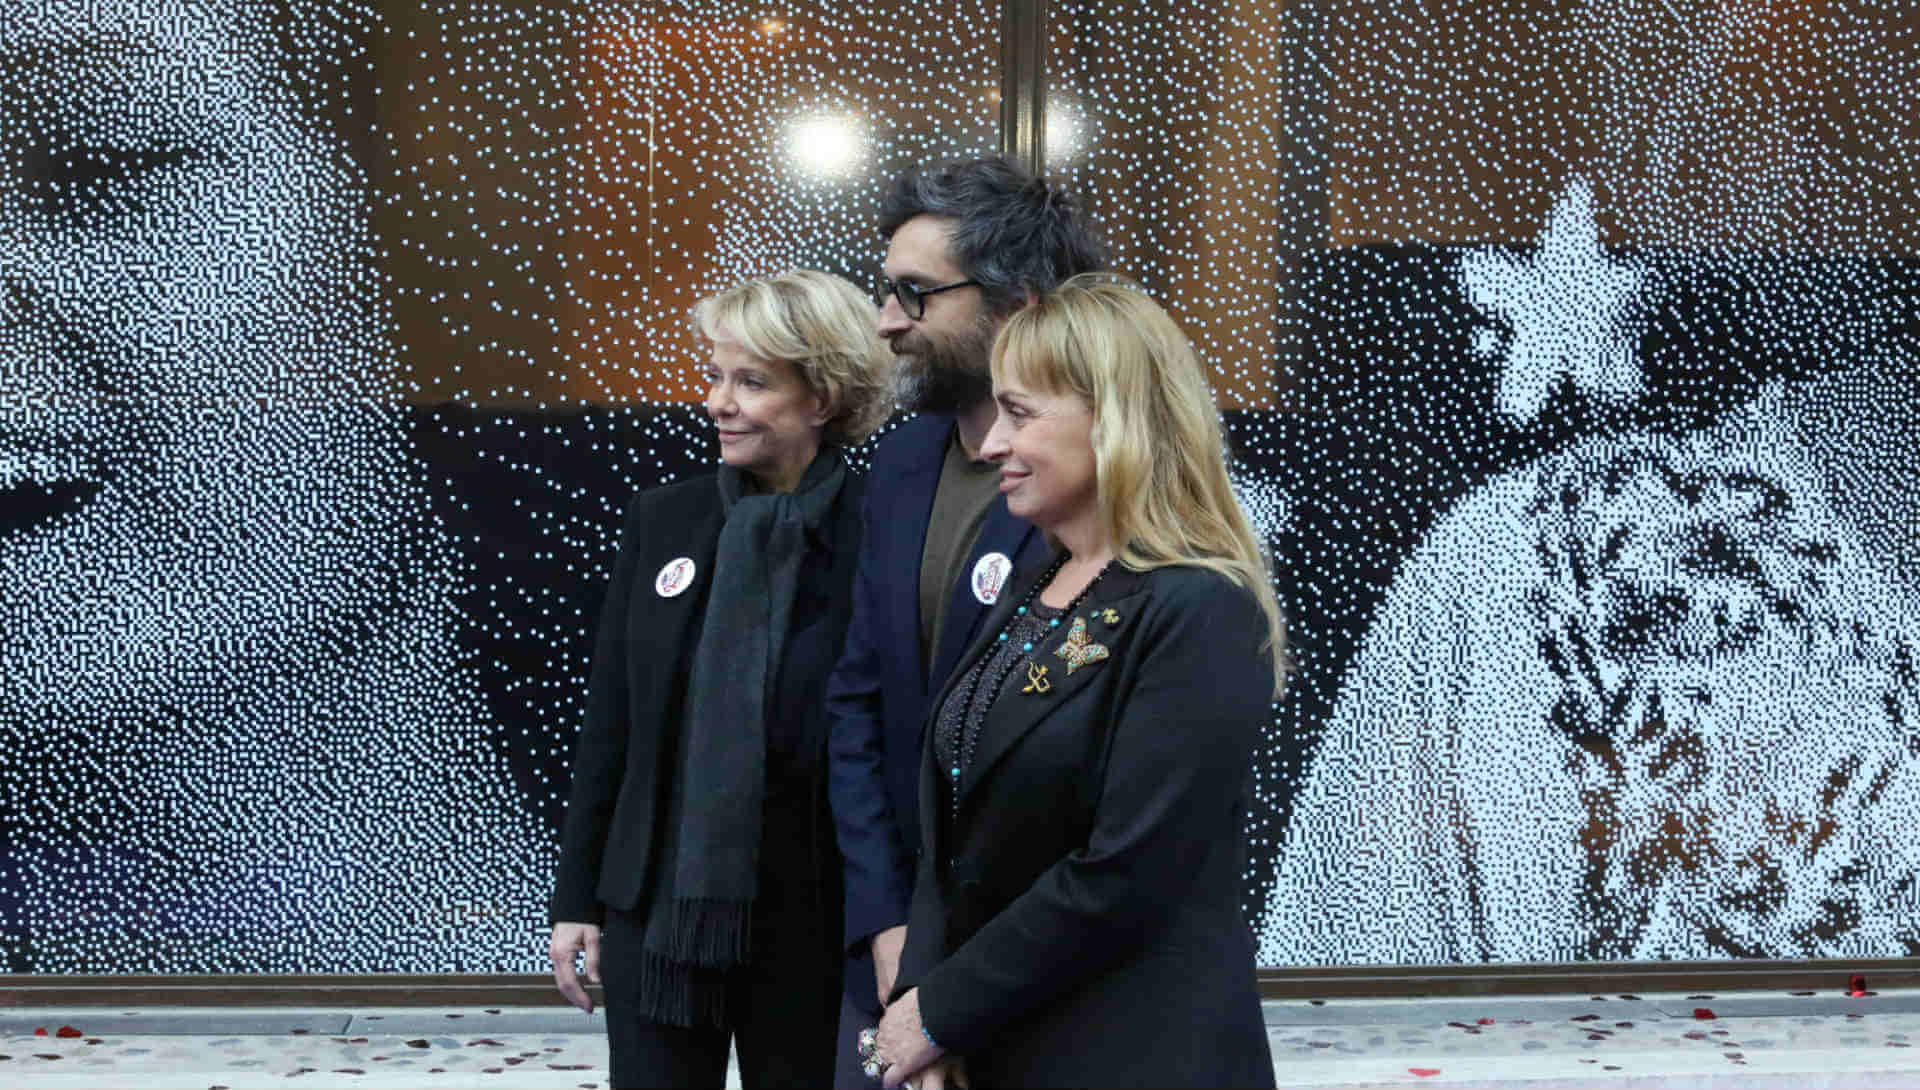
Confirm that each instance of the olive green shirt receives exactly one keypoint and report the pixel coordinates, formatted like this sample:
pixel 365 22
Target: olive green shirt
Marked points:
pixel 960 504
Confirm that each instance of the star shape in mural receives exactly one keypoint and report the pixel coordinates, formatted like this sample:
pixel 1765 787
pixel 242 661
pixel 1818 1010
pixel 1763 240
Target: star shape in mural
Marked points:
pixel 1568 308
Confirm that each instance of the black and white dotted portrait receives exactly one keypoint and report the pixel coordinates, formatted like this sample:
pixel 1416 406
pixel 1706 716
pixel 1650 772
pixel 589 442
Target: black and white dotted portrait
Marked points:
pixel 1602 444
pixel 337 334
pixel 1568 355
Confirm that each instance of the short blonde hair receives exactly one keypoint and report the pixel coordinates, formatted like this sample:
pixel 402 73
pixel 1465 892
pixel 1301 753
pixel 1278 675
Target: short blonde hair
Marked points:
pixel 821 324
pixel 1159 455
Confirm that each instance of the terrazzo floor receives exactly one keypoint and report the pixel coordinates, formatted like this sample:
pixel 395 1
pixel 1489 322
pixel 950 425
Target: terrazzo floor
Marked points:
pixel 1816 1041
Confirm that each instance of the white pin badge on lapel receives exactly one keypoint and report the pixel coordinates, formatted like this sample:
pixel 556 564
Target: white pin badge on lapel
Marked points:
pixel 676 577
pixel 989 575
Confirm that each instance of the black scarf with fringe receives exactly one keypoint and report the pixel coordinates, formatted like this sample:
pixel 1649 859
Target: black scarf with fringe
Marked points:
pixel 699 919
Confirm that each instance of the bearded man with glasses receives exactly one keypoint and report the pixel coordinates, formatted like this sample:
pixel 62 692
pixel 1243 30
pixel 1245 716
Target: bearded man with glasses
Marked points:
pixel 967 245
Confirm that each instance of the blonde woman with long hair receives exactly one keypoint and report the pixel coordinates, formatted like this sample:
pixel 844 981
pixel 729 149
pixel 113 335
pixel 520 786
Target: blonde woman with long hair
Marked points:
pixel 1076 919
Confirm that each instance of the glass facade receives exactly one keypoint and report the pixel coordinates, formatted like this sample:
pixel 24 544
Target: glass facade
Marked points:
pixel 1571 348
pixel 337 337
pixel 1567 353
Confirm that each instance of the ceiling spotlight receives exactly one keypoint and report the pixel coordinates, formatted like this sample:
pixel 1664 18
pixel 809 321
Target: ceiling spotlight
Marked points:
pixel 825 145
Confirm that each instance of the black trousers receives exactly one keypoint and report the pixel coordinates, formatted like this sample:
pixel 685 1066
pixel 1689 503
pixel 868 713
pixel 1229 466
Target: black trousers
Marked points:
pixel 783 1006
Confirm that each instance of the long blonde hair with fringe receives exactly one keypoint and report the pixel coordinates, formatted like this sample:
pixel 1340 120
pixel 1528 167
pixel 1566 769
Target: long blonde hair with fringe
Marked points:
pixel 1164 497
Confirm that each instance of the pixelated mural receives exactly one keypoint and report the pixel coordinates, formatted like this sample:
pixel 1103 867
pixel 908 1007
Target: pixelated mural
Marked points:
pixel 337 336
pixel 1577 344
pixel 1567 351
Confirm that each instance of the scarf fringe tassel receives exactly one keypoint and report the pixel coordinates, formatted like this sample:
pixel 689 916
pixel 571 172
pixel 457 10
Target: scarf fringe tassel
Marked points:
pixel 704 933
pixel 678 994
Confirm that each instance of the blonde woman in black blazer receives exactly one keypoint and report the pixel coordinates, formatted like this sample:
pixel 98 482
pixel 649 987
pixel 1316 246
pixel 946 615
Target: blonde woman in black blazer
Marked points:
pixel 698 874
pixel 1076 919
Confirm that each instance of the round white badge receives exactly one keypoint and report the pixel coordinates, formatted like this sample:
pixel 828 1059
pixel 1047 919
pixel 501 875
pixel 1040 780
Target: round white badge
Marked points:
pixel 989 575
pixel 675 577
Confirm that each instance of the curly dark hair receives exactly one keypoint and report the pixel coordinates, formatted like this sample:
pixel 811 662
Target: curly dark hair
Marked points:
pixel 1013 232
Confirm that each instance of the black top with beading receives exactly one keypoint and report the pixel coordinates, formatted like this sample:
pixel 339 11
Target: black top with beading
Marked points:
pixel 957 729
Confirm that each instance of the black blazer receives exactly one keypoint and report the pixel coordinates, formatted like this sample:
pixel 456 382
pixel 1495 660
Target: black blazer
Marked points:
pixel 1080 924
pixel 635 699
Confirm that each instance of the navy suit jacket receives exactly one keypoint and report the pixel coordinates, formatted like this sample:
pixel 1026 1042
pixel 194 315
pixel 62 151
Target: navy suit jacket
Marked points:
pixel 877 697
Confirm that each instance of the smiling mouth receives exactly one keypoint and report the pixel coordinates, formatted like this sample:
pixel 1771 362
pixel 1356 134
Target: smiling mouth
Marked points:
pixel 26 505
pixel 37 488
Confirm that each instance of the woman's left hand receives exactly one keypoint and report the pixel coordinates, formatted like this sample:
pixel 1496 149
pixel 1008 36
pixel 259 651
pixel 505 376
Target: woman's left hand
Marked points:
pixel 902 1042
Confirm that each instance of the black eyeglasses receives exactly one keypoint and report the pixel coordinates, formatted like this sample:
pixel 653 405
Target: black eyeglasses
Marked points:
pixel 913 297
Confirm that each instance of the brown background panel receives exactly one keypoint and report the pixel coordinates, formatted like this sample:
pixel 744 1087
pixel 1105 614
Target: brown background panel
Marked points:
pixel 476 124
pixel 1766 123
pixel 554 200
pixel 1167 124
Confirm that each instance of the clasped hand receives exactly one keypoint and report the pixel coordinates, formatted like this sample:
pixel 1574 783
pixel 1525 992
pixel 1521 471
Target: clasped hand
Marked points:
pixel 903 1044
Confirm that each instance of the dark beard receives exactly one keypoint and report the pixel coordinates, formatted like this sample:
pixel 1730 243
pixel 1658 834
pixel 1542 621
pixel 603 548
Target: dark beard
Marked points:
pixel 943 376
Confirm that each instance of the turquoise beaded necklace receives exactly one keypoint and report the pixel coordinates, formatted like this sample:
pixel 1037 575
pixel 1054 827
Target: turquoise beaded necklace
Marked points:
pixel 963 743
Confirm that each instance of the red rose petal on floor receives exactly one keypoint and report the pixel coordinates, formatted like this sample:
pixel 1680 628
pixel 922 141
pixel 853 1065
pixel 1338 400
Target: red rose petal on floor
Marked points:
pixel 1425 1072
pixel 1704 1014
pixel 1485 1021
pixel 68 1031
